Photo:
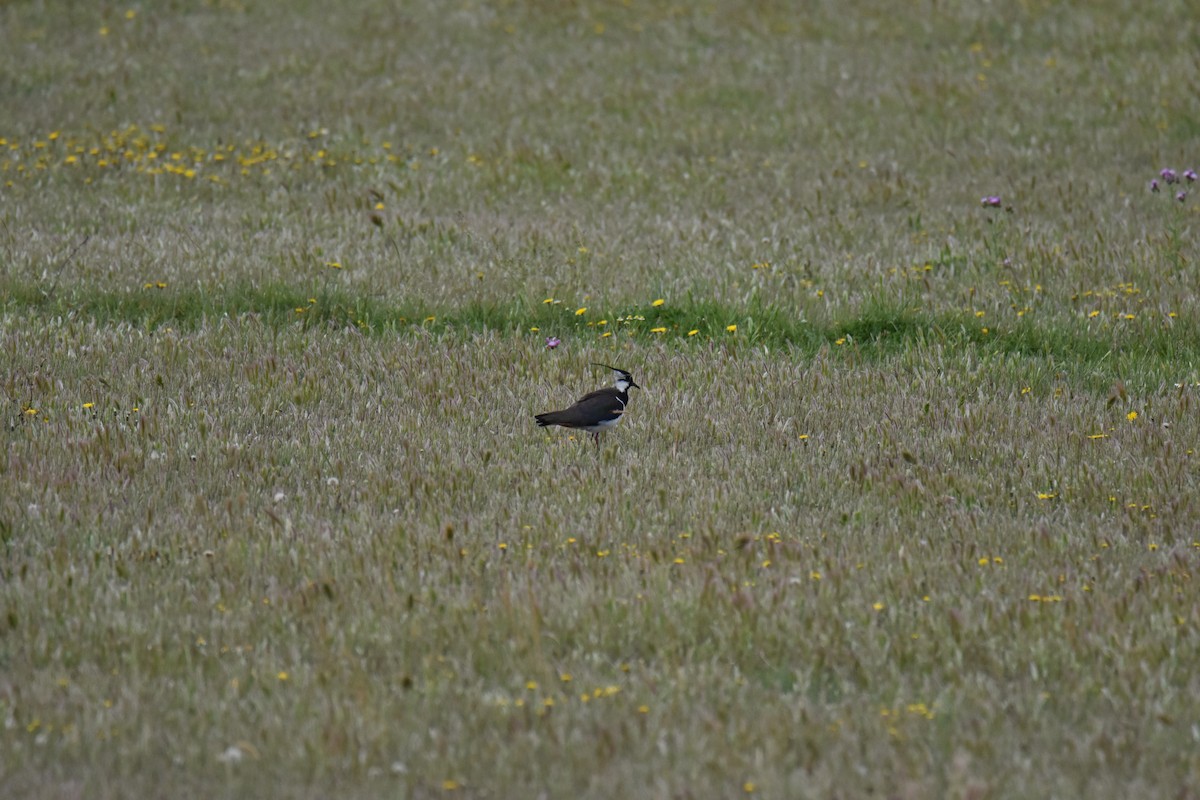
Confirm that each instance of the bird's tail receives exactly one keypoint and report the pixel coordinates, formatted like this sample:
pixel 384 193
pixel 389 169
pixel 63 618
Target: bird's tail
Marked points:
pixel 549 418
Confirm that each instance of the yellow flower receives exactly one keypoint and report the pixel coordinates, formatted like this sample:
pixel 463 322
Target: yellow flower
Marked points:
pixel 283 676
pixel 643 709
pixel 658 330
pixel 579 312
pixel 841 341
pixel 1131 416
pixel 658 302
pixel 693 332
pixel 731 328
pixel 878 606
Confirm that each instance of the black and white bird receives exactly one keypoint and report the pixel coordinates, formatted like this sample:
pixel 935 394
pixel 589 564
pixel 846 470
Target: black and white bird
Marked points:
pixel 596 411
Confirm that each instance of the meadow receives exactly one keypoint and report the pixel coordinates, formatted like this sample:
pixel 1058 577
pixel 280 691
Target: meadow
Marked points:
pixel 907 506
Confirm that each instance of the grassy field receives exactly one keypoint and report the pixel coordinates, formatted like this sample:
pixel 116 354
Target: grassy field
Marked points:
pixel 907 508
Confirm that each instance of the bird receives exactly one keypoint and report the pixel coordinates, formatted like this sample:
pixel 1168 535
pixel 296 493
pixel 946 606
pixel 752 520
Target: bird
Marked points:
pixel 596 411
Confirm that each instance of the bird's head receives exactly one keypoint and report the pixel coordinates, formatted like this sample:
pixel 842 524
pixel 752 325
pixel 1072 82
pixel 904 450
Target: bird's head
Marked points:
pixel 623 379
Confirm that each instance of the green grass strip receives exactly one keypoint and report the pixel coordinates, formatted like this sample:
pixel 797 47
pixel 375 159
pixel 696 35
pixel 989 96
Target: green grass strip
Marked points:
pixel 878 328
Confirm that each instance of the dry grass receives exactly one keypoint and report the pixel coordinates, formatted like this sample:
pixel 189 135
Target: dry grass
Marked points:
pixel 922 525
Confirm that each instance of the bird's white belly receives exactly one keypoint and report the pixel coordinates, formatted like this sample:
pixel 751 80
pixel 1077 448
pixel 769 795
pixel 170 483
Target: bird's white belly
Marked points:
pixel 602 426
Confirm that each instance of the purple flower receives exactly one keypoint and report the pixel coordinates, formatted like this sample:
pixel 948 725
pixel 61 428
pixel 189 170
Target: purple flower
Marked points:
pixel 1190 174
pixel 1168 175
pixel 991 201
pixel 552 342
pixel 1181 196
pixel 1154 185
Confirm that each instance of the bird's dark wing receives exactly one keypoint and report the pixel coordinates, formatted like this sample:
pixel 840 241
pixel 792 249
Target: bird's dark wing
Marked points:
pixel 592 407
pixel 607 393
pixel 598 404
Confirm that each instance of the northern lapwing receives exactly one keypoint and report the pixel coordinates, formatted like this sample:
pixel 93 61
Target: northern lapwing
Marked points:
pixel 596 411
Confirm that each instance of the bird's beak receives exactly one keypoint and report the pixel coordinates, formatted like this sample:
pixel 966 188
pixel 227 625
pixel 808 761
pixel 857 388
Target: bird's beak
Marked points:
pixel 634 385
